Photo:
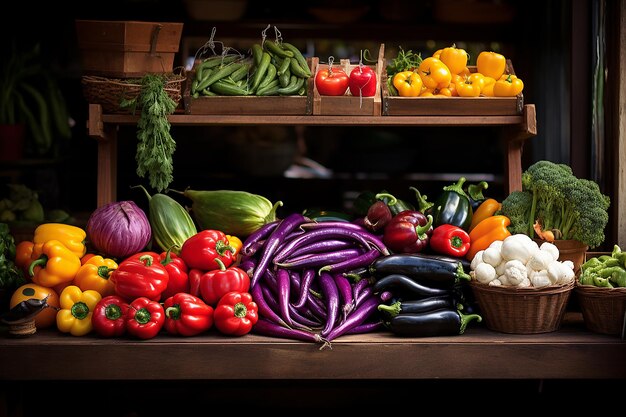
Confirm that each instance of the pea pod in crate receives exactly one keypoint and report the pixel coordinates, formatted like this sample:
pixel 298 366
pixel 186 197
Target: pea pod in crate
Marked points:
pixel 433 270
pixel 441 322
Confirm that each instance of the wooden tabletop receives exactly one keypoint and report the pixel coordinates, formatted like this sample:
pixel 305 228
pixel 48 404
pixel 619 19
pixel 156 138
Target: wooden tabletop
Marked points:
pixel 569 353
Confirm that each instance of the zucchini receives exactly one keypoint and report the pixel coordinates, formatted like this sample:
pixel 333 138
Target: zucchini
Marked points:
pixel 171 223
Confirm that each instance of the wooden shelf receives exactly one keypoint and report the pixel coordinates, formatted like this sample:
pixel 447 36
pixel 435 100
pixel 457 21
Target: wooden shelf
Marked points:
pixel 515 130
pixel 570 353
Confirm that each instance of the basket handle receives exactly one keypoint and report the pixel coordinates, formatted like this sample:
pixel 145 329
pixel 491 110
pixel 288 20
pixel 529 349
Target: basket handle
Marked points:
pixel 154 38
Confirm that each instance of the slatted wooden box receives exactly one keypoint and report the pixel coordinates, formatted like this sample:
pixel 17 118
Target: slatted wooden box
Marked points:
pixel 349 105
pixel 451 106
pixel 126 49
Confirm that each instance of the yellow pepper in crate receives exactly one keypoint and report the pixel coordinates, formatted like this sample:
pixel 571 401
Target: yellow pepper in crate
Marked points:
pixel 434 73
pixel 454 58
pixel 508 86
pixel 408 83
pixel 76 310
pixel 491 64
pixel 72 237
pixel 56 265
pixel 468 88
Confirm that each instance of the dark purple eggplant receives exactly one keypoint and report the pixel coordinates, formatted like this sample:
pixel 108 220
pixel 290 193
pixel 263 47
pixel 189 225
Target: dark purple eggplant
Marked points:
pixel 406 287
pixel 442 322
pixel 305 284
pixel 417 306
pixel 424 268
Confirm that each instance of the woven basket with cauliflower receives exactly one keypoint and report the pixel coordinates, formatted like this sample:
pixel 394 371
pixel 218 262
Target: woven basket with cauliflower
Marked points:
pixel 521 287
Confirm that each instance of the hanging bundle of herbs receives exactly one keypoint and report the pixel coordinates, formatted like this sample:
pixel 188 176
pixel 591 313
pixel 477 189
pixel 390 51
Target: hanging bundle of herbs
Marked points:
pixel 155 145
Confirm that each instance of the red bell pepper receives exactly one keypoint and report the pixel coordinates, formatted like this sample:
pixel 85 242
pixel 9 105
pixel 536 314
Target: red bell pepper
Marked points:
pixel 201 250
pixel 187 315
pixel 448 239
pixel 140 275
pixel 195 276
pixel 408 232
pixel 214 284
pixel 177 272
pixel 109 316
pixel 145 318
pixel 236 313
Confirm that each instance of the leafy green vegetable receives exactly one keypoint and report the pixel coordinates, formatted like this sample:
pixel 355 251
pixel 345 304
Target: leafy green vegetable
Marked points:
pixel 10 275
pixel 155 145
pixel 574 208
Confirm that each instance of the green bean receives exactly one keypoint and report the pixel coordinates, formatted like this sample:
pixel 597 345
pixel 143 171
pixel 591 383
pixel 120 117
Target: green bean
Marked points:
pixel 260 71
pixel 299 57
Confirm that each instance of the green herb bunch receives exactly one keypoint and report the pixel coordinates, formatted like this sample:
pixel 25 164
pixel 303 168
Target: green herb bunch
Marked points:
pixel 155 145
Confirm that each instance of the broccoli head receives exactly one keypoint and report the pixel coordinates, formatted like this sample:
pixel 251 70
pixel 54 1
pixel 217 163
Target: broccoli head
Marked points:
pixel 516 206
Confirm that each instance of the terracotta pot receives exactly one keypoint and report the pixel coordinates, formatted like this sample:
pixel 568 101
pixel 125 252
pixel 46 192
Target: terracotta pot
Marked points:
pixel 11 142
pixel 569 249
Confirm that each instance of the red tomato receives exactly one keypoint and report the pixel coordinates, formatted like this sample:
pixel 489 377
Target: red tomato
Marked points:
pixel 332 82
pixel 362 81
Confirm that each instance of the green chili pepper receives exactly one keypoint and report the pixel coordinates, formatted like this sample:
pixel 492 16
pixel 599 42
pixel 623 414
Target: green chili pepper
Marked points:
pixel 587 279
pixel 598 281
pixel 607 272
pixel 619 277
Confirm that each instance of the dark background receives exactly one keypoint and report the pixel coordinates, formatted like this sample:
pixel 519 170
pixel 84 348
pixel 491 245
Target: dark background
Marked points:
pixel 538 37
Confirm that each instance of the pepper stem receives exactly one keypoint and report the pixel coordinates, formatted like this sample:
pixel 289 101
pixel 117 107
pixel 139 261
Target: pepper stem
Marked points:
pixel 113 312
pixel 421 230
pixel 142 316
pixel 173 312
pixel 422 200
pixel 475 191
pixel 240 310
pixel 80 310
pixel 104 271
pixel 392 200
pixel 457 187
pixel 466 318
pixel 41 261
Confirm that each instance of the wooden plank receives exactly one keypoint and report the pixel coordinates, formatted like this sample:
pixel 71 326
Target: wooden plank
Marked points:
pixel 515 138
pixel 106 135
pixel 571 352
pixel 619 197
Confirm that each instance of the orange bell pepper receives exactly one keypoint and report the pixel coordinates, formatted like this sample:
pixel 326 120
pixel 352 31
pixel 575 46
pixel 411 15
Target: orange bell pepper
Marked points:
pixel 486 232
pixel 24 254
pixel 487 208
pixel 72 237
pixel 94 275
pixel 56 265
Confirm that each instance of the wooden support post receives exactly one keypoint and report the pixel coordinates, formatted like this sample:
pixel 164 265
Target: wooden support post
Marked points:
pixel 515 138
pixel 106 135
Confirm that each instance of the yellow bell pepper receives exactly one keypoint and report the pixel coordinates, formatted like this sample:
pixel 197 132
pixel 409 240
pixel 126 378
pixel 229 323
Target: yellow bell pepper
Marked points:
pixel 444 92
pixel 454 58
pixel 486 232
pixel 434 73
pixel 72 237
pixel 94 275
pixel 508 86
pixel 76 310
pixel 487 208
pixel 468 88
pixel 491 64
pixel 408 83
pixel 56 265
pixel 488 84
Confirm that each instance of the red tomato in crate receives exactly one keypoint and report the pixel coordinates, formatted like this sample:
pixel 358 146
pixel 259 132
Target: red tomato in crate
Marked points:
pixel 332 82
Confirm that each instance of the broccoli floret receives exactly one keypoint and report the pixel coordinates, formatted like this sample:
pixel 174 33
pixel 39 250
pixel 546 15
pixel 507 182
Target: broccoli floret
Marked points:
pixel 516 206
pixel 588 213
pixel 562 202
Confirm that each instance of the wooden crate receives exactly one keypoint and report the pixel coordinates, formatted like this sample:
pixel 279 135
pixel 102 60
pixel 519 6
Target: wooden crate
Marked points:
pixel 125 49
pixel 249 105
pixel 349 105
pixel 451 106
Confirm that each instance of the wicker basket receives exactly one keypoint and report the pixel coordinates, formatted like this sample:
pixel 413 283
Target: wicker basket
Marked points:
pixel 603 308
pixel 109 92
pixel 522 310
